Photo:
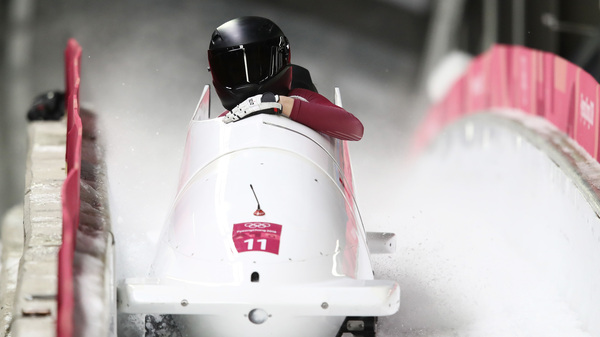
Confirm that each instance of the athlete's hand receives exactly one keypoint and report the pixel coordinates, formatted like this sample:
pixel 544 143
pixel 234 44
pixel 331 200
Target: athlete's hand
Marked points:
pixel 260 104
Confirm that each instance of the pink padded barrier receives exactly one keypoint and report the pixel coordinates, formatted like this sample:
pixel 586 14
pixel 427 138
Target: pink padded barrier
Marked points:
pixel 522 79
pixel 75 70
pixel 70 193
pixel 538 81
pixel 72 71
pixel 585 130
pixel 562 95
pixel 499 76
pixel 65 299
pixel 72 56
pixel 547 96
pixel 73 156
pixel 70 119
pixel 454 104
pixel 535 82
pixel 477 92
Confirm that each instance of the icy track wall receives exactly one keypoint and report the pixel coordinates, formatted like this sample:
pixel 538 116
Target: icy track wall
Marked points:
pixel 529 120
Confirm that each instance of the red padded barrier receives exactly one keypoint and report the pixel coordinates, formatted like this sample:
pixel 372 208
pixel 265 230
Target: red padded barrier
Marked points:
pixel 70 212
pixel 70 120
pixel 453 105
pixel 72 56
pixel 538 81
pixel 522 79
pixel 532 81
pixel 547 96
pixel 562 95
pixel 70 193
pixel 499 75
pixel 585 128
pixel 73 155
pixel 477 92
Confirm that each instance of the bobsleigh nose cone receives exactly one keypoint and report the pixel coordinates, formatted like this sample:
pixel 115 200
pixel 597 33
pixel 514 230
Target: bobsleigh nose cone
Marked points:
pixel 258 316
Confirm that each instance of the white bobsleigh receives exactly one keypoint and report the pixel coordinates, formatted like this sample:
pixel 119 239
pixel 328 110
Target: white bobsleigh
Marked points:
pixel 264 237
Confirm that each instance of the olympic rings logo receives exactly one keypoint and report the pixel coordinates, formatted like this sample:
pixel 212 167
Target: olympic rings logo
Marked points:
pixel 257 225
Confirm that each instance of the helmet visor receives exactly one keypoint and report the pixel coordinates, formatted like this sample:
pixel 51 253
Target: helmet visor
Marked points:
pixel 251 63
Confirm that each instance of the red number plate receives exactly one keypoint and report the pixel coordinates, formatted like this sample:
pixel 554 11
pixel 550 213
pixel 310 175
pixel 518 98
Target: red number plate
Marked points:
pixel 257 236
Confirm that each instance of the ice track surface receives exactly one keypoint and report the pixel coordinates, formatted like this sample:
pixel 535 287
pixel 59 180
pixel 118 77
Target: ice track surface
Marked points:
pixel 493 240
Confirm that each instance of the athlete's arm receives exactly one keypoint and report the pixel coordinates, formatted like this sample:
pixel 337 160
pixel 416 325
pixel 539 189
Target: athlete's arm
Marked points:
pixel 318 113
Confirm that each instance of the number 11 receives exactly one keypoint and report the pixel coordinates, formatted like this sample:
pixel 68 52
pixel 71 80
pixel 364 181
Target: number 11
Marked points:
pixel 250 242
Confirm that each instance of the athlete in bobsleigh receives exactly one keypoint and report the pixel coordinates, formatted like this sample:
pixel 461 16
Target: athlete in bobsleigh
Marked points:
pixel 249 60
pixel 264 237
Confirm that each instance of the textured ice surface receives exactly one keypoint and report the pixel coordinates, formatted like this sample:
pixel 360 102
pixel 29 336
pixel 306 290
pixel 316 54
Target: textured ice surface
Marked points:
pixel 493 240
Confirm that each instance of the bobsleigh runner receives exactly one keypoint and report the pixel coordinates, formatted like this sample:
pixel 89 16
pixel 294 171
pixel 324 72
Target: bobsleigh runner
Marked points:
pixel 264 237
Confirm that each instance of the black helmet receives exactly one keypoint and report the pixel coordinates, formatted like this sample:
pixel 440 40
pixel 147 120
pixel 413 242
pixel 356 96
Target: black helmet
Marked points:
pixel 248 56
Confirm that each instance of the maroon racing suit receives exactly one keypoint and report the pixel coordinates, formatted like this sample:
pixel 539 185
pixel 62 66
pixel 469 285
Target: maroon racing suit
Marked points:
pixel 319 114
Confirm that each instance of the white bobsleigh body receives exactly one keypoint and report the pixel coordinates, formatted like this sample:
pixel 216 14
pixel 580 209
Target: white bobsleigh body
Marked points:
pixel 297 265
